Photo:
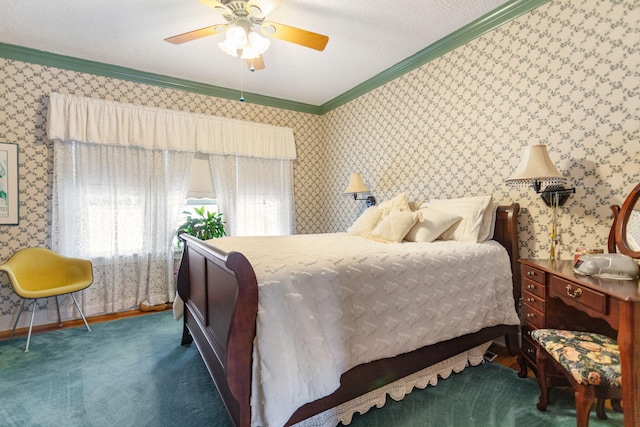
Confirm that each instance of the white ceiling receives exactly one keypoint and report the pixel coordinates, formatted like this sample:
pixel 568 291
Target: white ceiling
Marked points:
pixel 366 37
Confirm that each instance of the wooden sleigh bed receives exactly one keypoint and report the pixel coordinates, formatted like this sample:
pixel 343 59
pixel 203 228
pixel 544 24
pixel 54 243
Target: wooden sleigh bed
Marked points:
pixel 220 295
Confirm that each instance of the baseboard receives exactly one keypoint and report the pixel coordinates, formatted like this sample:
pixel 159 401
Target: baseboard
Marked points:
pixel 4 335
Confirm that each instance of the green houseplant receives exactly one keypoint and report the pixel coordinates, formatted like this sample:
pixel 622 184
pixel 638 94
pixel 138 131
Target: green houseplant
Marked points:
pixel 203 225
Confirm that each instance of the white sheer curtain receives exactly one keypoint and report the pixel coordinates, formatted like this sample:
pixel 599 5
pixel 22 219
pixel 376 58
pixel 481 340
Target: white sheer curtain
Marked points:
pixel 120 179
pixel 255 195
pixel 118 206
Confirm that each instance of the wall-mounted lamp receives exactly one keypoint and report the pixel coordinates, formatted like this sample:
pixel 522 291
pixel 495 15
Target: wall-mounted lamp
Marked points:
pixel 536 169
pixel 356 185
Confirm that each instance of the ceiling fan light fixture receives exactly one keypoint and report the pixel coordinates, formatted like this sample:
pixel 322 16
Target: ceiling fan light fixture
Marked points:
pixel 257 46
pixel 242 37
pixel 228 48
pixel 235 39
pixel 237 35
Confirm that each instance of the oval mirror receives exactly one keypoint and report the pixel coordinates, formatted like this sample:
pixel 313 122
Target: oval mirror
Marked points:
pixel 628 225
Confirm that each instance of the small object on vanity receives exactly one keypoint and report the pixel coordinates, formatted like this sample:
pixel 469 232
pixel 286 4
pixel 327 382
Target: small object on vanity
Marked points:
pixel 607 266
pixel 585 251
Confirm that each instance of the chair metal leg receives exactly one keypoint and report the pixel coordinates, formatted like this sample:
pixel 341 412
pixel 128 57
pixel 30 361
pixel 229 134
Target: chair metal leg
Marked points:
pixel 33 314
pixel 18 317
pixel 80 311
pixel 58 310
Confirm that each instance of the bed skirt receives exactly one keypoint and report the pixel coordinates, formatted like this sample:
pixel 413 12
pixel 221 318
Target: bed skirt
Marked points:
pixel 398 389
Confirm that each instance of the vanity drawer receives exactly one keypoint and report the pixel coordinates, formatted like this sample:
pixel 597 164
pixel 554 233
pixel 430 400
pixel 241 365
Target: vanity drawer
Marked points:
pixel 533 273
pixel 529 349
pixel 572 293
pixel 535 288
pixel 533 300
pixel 533 316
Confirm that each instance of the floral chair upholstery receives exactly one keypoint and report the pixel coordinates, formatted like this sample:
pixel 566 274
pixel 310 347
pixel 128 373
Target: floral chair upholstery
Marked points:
pixel 590 361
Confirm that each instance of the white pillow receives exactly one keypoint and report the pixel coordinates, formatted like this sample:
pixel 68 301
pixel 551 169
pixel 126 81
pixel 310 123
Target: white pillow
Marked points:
pixel 393 227
pixel 366 222
pixel 431 224
pixel 398 203
pixel 471 209
pixel 492 221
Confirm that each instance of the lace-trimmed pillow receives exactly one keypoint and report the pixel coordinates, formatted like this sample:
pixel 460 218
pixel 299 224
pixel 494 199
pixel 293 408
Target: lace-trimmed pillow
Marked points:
pixel 398 203
pixel 393 227
pixel 366 222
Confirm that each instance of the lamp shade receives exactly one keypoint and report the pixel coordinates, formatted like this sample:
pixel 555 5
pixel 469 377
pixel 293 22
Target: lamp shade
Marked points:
pixel 257 46
pixel 235 39
pixel 356 185
pixel 536 166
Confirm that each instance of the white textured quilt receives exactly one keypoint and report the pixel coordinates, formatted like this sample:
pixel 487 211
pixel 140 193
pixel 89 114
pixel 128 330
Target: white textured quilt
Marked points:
pixel 329 302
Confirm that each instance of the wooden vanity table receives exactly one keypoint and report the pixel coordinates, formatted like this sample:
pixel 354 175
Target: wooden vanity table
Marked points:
pixel 553 296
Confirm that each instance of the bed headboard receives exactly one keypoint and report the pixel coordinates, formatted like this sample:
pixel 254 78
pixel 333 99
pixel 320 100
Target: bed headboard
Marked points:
pixel 506 234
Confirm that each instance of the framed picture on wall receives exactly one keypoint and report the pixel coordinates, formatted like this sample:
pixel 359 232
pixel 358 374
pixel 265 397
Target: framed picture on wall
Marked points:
pixel 8 184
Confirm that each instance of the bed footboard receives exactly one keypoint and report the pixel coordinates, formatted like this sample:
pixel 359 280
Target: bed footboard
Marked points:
pixel 220 293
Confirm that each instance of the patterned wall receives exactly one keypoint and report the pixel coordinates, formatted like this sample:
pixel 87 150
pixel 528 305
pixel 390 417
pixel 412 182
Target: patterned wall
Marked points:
pixel 24 90
pixel 566 74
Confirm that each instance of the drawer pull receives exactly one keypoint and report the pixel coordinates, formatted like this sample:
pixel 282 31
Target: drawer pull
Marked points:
pixel 532 300
pixel 530 351
pixel 572 293
pixel 531 273
pixel 531 315
pixel 531 286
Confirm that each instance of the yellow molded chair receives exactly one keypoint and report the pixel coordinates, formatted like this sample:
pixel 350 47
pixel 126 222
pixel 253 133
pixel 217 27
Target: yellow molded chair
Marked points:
pixel 40 273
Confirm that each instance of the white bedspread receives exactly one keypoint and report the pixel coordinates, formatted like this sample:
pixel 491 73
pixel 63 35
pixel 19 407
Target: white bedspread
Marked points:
pixel 329 302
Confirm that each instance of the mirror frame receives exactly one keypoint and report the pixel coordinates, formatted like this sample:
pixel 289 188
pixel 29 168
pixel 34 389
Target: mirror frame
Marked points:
pixel 622 220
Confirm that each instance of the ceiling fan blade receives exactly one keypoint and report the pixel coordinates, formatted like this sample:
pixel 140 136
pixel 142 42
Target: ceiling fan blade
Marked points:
pixel 197 34
pixel 295 35
pixel 261 8
pixel 217 6
pixel 255 64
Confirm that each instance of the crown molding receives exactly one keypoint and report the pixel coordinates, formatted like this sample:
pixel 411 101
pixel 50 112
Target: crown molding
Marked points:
pixel 497 17
pixel 504 13
pixel 48 59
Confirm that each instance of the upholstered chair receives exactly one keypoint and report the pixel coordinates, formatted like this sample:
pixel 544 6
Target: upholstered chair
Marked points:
pixel 591 363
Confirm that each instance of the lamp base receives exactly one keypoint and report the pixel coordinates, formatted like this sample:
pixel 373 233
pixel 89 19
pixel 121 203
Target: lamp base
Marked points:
pixel 549 194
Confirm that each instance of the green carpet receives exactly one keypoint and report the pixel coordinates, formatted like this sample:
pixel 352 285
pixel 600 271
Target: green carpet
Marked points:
pixel 133 372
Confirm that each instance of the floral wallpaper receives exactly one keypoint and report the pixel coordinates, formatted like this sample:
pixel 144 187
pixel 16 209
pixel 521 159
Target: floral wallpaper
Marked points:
pixel 24 91
pixel 566 75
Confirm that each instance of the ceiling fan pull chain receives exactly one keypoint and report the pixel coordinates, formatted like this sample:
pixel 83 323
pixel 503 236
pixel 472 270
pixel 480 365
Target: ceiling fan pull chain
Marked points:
pixel 241 81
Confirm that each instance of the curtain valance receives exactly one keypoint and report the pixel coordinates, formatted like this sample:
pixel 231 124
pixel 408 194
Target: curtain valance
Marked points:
pixel 113 123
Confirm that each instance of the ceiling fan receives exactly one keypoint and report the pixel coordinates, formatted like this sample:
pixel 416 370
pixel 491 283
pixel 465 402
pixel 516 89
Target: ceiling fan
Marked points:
pixel 245 18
